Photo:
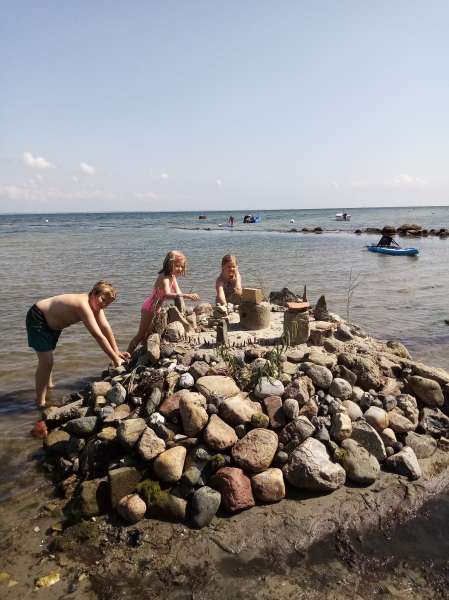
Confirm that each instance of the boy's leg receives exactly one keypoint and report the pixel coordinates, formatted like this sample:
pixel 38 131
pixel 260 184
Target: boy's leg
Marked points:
pixel 146 318
pixel 43 375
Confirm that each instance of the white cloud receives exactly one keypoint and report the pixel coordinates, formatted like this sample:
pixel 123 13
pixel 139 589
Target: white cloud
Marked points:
pixel 36 162
pixel 87 169
pixel 219 182
pixel 75 179
pixel 408 180
pixel 164 175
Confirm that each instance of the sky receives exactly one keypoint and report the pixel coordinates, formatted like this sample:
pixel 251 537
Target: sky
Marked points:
pixel 207 105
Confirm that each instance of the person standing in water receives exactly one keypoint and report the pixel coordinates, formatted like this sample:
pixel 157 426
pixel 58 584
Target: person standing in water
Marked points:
pixel 47 318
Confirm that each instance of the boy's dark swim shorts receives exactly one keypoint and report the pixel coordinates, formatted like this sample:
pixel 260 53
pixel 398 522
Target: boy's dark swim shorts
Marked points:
pixel 40 337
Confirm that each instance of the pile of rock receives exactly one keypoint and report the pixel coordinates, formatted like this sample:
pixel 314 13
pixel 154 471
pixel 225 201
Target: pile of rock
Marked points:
pixel 184 431
pixel 407 229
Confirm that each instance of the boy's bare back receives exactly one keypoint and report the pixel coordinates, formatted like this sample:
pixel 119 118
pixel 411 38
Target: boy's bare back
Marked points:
pixel 65 310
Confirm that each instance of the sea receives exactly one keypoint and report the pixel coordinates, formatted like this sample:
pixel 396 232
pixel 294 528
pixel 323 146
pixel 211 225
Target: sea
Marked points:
pixel 404 298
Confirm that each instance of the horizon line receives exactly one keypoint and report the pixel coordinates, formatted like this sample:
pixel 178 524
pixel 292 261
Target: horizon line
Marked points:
pixel 203 212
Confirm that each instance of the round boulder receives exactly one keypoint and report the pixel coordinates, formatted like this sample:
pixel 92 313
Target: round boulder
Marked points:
pixel 256 450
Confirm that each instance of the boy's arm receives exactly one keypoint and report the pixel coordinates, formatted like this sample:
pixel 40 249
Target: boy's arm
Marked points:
pixel 88 318
pixel 106 329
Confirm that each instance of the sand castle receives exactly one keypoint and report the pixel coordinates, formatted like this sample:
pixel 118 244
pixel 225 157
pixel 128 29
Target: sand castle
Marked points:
pixel 192 427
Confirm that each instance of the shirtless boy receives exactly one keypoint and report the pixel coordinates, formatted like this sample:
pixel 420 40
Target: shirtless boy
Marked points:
pixel 47 318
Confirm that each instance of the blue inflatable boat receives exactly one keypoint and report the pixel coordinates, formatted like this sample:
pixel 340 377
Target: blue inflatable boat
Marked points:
pixel 393 251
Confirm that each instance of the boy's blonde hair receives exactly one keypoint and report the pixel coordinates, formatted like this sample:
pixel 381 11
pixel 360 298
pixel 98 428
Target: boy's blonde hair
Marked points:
pixel 169 263
pixel 104 288
pixel 228 258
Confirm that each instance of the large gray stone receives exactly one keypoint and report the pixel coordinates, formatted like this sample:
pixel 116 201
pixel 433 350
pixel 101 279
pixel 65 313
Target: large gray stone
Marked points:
pixel 301 389
pixel 310 468
pixel 434 422
pixel 321 376
pixel 94 497
pixel 422 445
pixel 360 466
pixel 266 386
pixel 100 388
pixel 340 388
pixel 60 414
pixel 150 445
pixel 321 358
pixel 367 436
pixel 117 394
pixel 341 427
pixel 217 385
pixel 353 410
pixel 153 348
pixel 122 482
pixel 204 506
pixel 404 463
pixel 295 432
pixel 377 417
pixel 194 416
pixel 427 390
pixel 82 427
pixel 129 431
pixel 367 370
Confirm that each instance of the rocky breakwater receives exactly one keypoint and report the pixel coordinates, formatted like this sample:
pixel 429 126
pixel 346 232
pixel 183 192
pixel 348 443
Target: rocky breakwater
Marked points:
pixel 183 433
pixel 407 230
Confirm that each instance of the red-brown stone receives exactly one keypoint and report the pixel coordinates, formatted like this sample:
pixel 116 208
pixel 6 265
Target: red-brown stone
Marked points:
pixel 234 487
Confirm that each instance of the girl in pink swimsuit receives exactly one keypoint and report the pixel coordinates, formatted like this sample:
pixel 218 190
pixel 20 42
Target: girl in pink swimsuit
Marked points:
pixel 165 288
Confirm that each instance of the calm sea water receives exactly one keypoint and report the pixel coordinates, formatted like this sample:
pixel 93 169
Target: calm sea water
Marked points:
pixel 43 255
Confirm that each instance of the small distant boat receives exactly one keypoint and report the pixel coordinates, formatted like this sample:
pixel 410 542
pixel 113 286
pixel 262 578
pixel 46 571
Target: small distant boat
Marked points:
pixel 251 219
pixel 393 251
pixel 342 217
pixel 202 217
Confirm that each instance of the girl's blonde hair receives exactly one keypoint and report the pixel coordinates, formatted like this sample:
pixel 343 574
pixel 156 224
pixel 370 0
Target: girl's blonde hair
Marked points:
pixel 169 263
pixel 228 258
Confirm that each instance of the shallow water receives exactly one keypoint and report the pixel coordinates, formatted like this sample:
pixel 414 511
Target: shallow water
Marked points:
pixel 43 255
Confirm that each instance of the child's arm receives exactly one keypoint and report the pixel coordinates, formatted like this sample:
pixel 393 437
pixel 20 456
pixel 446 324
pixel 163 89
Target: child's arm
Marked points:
pixel 170 295
pixel 221 297
pixel 106 329
pixel 87 316
pixel 238 283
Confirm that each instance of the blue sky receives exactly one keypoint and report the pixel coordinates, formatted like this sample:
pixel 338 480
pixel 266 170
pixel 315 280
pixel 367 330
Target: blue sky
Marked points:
pixel 203 105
